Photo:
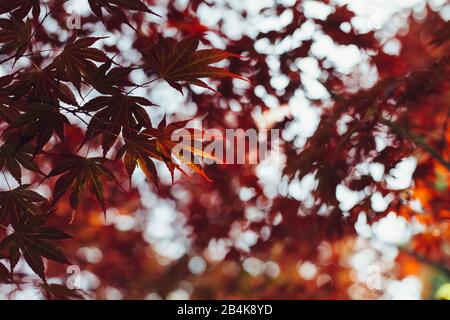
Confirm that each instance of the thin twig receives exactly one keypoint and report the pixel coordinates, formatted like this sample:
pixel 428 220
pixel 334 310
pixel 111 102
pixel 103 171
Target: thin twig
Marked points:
pixel 418 140
pixel 6 179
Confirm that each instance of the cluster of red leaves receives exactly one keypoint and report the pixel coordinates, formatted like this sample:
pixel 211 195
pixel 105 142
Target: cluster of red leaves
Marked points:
pixel 35 99
pixel 52 135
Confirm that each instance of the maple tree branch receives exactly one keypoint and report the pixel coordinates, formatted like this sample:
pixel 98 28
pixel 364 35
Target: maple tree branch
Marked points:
pixel 74 112
pixel 87 94
pixel 143 85
pixel 47 14
pixel 9 58
pixel 418 140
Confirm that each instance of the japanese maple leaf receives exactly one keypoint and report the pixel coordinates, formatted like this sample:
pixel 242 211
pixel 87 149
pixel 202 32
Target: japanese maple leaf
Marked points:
pixel 176 147
pixel 13 157
pixel 60 292
pixel 74 59
pixel 114 114
pixel 41 120
pixel 78 173
pixel 179 62
pixel 42 85
pixel 139 151
pixel 20 8
pixel 114 8
pixel 32 238
pixel 107 82
pixel 15 36
pixel 18 202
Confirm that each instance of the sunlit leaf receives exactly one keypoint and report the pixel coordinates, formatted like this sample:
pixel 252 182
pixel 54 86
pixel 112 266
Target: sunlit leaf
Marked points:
pixel 179 62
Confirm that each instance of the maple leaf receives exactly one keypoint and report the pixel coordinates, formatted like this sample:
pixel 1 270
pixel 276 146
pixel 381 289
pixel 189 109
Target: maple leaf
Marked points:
pixel 188 151
pixel 31 237
pixel 114 8
pixel 75 57
pixel 177 62
pixel 166 141
pixel 105 81
pixel 13 157
pixel 18 202
pixel 138 150
pixel 60 292
pixel 41 120
pixel 20 8
pixel 114 114
pixel 15 35
pixel 76 174
pixel 41 85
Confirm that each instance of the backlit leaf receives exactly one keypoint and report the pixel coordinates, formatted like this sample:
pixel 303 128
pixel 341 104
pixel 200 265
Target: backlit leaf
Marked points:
pixel 77 174
pixel 19 202
pixel 13 157
pixel 115 114
pixel 74 59
pixel 179 62
pixel 31 237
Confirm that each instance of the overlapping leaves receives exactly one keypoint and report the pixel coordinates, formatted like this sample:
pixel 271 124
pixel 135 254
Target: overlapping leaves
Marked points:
pixel 160 144
pixel 42 85
pixel 76 57
pixel 31 102
pixel 20 8
pixel 106 80
pixel 115 113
